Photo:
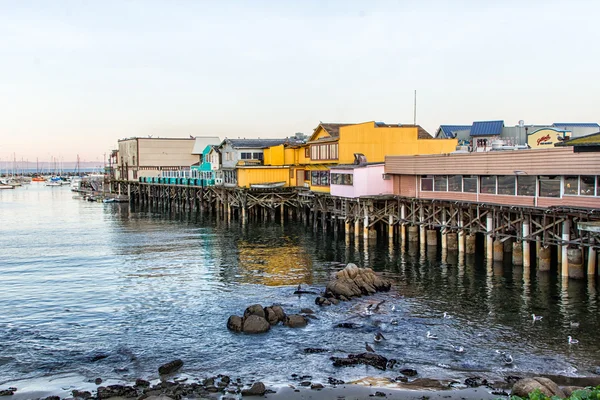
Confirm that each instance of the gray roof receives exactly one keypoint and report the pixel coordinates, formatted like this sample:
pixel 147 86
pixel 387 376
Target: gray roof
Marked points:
pixel 203 141
pixel 255 143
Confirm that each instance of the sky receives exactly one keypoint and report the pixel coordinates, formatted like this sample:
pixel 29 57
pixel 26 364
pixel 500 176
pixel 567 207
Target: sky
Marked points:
pixel 77 76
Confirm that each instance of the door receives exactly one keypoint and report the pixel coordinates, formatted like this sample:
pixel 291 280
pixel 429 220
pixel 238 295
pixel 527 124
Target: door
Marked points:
pixel 300 177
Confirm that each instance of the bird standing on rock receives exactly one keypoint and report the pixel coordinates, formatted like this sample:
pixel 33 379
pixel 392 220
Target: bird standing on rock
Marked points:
pixel 572 341
pixel 369 348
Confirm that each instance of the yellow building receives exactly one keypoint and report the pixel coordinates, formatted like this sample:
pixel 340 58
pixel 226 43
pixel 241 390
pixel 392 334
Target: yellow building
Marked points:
pixel 307 165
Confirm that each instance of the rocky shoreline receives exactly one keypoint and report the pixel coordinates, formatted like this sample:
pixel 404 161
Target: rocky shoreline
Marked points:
pixel 347 284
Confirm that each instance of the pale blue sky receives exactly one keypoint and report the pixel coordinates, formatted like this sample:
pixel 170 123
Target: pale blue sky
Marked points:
pixel 79 75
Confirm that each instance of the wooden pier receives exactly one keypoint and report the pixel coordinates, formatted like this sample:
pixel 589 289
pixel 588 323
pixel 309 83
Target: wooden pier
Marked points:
pixel 530 236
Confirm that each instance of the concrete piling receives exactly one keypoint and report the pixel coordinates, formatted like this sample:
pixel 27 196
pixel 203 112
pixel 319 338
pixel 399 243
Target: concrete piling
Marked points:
pixel 517 253
pixel 544 258
pixel 498 250
pixel 470 246
pixel 452 241
pixel 575 260
pixel 431 238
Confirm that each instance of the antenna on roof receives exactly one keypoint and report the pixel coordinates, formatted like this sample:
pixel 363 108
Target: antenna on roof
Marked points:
pixel 415 108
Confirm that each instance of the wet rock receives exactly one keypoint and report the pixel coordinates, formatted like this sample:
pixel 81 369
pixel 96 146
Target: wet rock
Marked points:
pixel 159 397
pixel 500 393
pixel 511 379
pixel 355 282
pixel 142 383
pixel 401 378
pixel 596 371
pixel 305 383
pixel 313 350
pixel 391 363
pixel 278 310
pixel 116 391
pixel 98 381
pixel 306 311
pixel 475 381
pixel 334 301
pixel 209 382
pixel 295 321
pixel 234 323
pixel 7 392
pixel 225 379
pixel 343 298
pixel 257 389
pixel 271 316
pixel 334 381
pixel 322 301
pixel 51 398
pixel 317 386
pixel 409 372
pixel 98 357
pixel 348 325
pixel 527 385
pixel 372 359
pixel 81 394
pixel 255 309
pixel 568 390
pixel 379 394
pixel 427 383
pixel 255 324
pixel 170 367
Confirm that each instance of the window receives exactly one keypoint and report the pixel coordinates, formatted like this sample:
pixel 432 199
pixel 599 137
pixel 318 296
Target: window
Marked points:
pixel 246 156
pixel 257 156
pixel 307 152
pixel 525 185
pixel 470 184
pixel 506 185
pixel 586 185
pixel 426 183
pixel 201 158
pixel 229 177
pixel 455 183
pixel 572 185
pixel 549 186
pixel 324 152
pixel 488 184
pixel 133 163
pixel 341 179
pixel 307 175
pixel 440 183
pixel 319 178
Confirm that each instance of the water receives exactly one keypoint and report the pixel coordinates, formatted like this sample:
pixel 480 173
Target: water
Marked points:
pixel 100 290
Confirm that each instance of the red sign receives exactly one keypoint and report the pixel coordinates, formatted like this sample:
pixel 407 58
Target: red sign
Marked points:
pixel 543 139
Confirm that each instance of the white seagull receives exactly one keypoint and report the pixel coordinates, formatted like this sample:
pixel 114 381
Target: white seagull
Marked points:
pixel 446 315
pixel 536 317
pixel 574 324
pixel 572 341
pixel 430 336
pixel 458 349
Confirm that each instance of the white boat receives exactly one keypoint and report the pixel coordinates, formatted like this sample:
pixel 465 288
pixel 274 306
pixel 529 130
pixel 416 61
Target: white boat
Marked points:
pixel 54 181
pixel 5 186
pixel 270 185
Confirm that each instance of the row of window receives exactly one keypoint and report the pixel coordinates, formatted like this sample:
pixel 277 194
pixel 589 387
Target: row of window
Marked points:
pixel 342 179
pixel 324 151
pixel 522 185
pixel 319 178
pixel 251 156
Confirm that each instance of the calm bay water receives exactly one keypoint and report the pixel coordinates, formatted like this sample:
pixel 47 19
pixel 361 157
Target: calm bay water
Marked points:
pixel 102 290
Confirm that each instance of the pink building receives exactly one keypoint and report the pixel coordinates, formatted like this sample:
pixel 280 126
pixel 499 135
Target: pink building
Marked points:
pixel 353 181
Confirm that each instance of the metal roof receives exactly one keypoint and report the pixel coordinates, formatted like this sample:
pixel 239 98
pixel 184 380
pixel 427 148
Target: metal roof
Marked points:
pixel 255 143
pixel 577 124
pixel 487 128
pixel 449 131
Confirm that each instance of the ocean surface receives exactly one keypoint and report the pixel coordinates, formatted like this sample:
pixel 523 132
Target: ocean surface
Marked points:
pixel 93 290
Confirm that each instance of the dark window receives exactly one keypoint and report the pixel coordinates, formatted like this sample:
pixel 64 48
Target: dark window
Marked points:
pixel 469 184
pixel 525 185
pixel 549 186
pixel 572 185
pixel 506 185
pixel 455 183
pixel 341 179
pixel 426 183
pixel 488 184
pixel 257 156
pixel 245 156
pixel 307 152
pixel 440 183
pixel 586 185
pixel 306 175
pixel 320 178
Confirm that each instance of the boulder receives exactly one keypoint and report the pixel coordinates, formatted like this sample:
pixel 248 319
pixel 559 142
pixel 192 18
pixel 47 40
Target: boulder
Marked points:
pixel 372 359
pixel 274 314
pixel 255 309
pixel 306 311
pixel 317 386
pixel 355 282
pixel 322 301
pixel 409 372
pixel 81 394
pixel 116 391
pixel 257 389
pixel 255 324
pixel 234 323
pixel 295 321
pixel 568 390
pixel 527 385
pixel 170 367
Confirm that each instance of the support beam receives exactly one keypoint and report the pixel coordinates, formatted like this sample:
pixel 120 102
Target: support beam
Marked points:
pixel 566 227
pixel 526 255
pixel 489 248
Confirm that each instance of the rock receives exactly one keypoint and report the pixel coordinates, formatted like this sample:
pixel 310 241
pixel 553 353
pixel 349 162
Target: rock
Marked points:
pixel 51 398
pixel 342 287
pixel 306 311
pixel 295 321
pixel 568 390
pixel 334 301
pixel 98 357
pixel 317 386
pixel 234 323
pixel 255 324
pixel 348 325
pixel 391 363
pixel 511 379
pixel 333 381
pixel 81 394
pixel 401 378
pixel 98 381
pixel 142 383
pixel 305 383
pixel 355 282
pixel 343 298
pixel 375 360
pixel 116 391
pixel 409 372
pixel 596 371
pixel 170 367
pixel 313 350
pixel 271 316
pixel 379 394
pixel 257 389
pixel 255 309
pixel 159 397
pixel 6 392
pixel 427 383
pixel 527 385
pixel 475 381
pixel 278 310
pixel 322 301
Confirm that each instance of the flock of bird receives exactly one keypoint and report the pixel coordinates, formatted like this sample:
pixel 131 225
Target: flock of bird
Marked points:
pixel 506 358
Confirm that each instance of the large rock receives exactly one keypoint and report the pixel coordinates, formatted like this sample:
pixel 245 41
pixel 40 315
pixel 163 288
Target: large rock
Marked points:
pixel 527 385
pixel 255 324
pixel 116 391
pixel 375 360
pixel 355 282
pixel 274 314
pixel 170 367
pixel 255 309
pixel 257 389
pixel 234 323
pixel 295 321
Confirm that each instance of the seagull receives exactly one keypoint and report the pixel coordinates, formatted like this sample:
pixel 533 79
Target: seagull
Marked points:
pixel 394 322
pixel 446 315
pixel 376 309
pixel 507 358
pixel 379 337
pixel 369 348
pixel 458 349
pixel 572 341
pixel 536 317
pixel 573 324
pixel 430 336
pixel 299 287
pixel 393 308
